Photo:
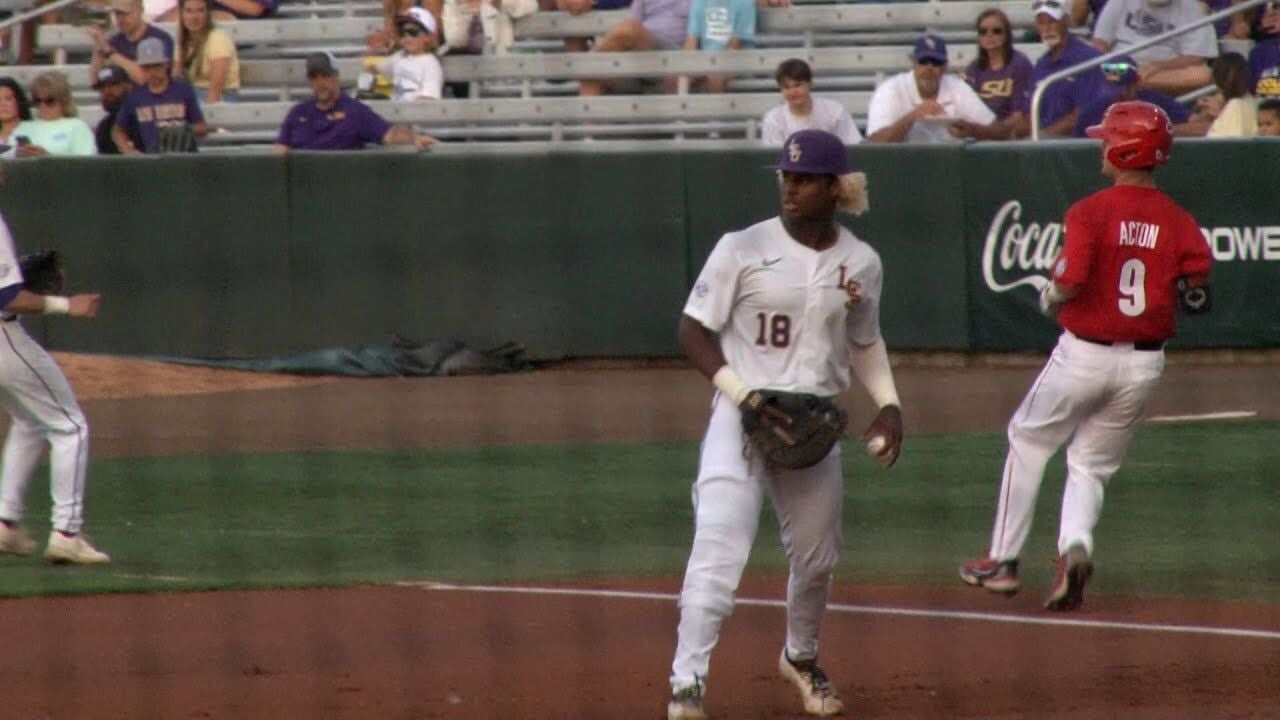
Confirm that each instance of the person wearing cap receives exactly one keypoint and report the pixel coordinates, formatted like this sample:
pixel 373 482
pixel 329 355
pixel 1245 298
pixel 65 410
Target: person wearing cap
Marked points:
pixel 1061 101
pixel 333 120
pixel 55 128
pixel 928 104
pixel 801 110
pixel 207 56
pixel 793 304
pixel 415 70
pixel 1121 84
pixel 113 85
pixel 163 111
pixel 1174 66
pixel 122 48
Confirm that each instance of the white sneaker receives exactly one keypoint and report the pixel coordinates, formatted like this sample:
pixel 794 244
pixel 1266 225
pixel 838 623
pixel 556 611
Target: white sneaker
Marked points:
pixel 73 549
pixel 686 703
pixel 15 540
pixel 815 689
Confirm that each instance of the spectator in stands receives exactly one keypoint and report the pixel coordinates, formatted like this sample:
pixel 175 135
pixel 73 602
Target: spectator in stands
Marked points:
pixel 383 42
pixel 414 70
pixel 1121 83
pixel 1000 74
pixel 1084 13
pixel 580 7
pixel 207 56
pixel 163 111
pixel 651 25
pixel 483 25
pixel 718 25
pixel 122 48
pixel 1264 59
pixel 802 111
pixel 1269 118
pixel 14 108
pixel 926 103
pixel 54 129
pixel 1233 27
pixel 1061 101
pixel 332 120
pixel 1175 66
pixel 113 85
pixel 1237 113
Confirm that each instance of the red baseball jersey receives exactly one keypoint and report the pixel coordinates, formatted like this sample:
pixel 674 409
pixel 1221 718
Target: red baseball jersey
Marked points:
pixel 1125 249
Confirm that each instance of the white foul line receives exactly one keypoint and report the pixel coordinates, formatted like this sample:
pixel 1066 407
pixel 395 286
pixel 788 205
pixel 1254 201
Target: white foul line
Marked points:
pixel 1224 415
pixel 864 610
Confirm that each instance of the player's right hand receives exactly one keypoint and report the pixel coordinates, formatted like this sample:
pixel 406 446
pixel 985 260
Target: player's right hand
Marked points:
pixel 84 304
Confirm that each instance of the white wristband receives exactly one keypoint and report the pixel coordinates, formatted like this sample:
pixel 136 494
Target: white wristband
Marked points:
pixel 56 305
pixel 730 384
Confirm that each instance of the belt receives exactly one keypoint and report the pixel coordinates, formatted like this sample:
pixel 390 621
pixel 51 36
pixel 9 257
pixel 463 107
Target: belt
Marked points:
pixel 7 317
pixel 1147 345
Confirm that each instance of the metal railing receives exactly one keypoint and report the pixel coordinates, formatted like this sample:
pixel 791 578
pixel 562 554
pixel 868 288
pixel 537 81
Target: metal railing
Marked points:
pixel 31 14
pixel 1109 56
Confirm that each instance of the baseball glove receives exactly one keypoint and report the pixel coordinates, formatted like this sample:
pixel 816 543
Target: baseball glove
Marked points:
pixel 42 272
pixel 792 430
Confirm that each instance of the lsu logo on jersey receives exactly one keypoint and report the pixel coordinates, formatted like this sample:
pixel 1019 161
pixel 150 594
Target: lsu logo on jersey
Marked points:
pixel 851 288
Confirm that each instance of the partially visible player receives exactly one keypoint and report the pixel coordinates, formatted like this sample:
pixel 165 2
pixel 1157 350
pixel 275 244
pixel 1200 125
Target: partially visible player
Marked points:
pixel 791 303
pixel 1130 258
pixel 44 410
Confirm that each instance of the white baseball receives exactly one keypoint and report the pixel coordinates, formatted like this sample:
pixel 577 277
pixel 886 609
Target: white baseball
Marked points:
pixel 876 445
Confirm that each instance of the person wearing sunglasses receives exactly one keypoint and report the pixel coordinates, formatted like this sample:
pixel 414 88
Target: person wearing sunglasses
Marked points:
pixel 55 128
pixel 926 103
pixel 1121 85
pixel 999 74
pixel 1175 66
pixel 414 70
pixel 1061 101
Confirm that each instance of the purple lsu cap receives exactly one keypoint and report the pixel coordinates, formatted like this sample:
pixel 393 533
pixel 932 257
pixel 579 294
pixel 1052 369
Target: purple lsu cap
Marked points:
pixel 814 152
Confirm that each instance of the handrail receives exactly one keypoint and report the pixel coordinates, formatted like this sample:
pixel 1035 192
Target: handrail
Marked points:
pixel 1094 62
pixel 31 14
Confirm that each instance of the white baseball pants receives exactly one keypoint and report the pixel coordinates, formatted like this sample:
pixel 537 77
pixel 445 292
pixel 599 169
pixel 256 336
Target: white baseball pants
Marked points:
pixel 1099 393
pixel 727 499
pixel 38 397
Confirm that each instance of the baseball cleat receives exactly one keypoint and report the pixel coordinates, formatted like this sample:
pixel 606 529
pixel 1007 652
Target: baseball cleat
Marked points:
pixel 997 576
pixel 73 549
pixel 815 689
pixel 1073 572
pixel 14 540
pixel 686 703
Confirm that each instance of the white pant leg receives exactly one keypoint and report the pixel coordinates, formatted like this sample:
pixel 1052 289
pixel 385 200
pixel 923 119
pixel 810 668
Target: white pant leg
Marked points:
pixel 809 504
pixel 1070 383
pixel 37 394
pixel 22 450
pixel 727 498
pixel 1100 443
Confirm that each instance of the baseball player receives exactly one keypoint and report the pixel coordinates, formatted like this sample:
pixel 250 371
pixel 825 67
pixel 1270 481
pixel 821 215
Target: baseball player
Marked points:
pixel 39 399
pixel 792 304
pixel 1130 256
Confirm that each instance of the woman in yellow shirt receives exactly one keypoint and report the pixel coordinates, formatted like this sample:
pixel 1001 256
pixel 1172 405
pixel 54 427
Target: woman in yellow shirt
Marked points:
pixel 206 54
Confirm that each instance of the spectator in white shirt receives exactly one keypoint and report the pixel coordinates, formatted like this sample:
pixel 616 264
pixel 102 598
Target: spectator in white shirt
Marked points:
pixel 1173 67
pixel 928 104
pixel 415 70
pixel 803 111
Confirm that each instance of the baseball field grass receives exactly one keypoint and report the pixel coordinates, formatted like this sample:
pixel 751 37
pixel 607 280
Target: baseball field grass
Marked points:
pixel 1192 513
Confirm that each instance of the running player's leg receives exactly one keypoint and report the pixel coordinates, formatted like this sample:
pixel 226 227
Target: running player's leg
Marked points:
pixel 727 498
pixel 23 447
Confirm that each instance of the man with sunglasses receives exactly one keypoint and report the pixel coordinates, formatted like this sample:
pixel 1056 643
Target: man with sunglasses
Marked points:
pixel 1121 85
pixel 333 120
pixel 414 70
pixel 1061 101
pixel 1174 66
pixel 926 103
pixel 121 49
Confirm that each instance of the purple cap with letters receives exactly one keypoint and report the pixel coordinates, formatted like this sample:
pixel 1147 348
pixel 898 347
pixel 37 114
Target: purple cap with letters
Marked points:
pixel 930 47
pixel 814 152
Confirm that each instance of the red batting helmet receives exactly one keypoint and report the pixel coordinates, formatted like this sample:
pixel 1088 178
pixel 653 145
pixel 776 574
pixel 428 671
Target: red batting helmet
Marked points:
pixel 1138 134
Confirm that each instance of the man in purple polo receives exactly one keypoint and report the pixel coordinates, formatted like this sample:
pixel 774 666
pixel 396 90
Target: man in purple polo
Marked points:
pixel 333 120
pixel 1061 101
pixel 163 112
pixel 121 49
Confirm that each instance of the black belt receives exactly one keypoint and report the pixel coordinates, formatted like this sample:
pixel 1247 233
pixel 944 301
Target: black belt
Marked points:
pixel 1148 345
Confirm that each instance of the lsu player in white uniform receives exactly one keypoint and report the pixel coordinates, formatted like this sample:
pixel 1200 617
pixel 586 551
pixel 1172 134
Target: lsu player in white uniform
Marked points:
pixel 791 303
pixel 44 411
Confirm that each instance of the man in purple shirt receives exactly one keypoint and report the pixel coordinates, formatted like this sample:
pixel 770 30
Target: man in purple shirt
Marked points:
pixel 1121 83
pixel 163 112
pixel 651 25
pixel 333 120
pixel 1060 103
pixel 1264 60
pixel 122 48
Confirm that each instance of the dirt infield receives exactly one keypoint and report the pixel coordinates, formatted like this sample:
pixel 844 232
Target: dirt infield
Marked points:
pixel 418 651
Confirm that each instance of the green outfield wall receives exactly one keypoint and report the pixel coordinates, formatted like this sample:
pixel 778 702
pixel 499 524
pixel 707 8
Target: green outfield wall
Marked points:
pixel 575 254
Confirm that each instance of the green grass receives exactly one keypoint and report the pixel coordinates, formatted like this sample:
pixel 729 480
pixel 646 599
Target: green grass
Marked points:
pixel 1192 513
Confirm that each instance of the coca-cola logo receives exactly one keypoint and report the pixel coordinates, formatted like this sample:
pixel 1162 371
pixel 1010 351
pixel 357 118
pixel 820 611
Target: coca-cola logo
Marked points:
pixel 1014 254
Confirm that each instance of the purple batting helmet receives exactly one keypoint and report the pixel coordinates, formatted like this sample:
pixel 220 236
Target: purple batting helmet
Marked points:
pixel 814 152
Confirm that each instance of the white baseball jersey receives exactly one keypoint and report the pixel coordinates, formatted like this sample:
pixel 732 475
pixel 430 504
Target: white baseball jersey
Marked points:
pixel 10 273
pixel 1129 22
pixel 787 314
pixel 899 95
pixel 779 123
